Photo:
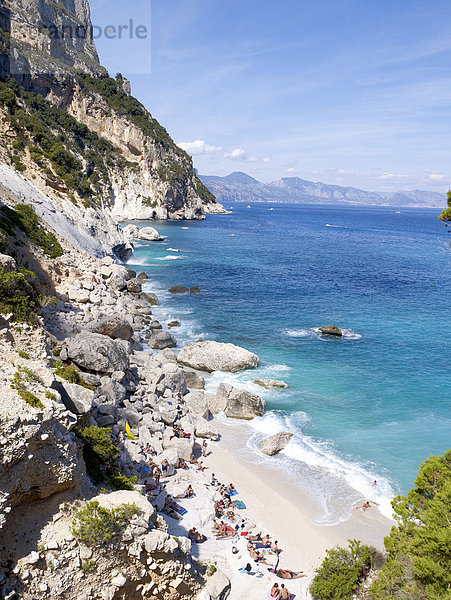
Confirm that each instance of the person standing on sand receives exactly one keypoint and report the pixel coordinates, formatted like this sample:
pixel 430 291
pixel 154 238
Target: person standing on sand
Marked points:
pixel 204 448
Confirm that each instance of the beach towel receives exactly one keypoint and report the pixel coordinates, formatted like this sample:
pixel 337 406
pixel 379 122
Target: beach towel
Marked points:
pixel 268 552
pixel 146 469
pixel 179 509
pixel 239 504
pixel 244 533
pixel 232 493
pixel 243 570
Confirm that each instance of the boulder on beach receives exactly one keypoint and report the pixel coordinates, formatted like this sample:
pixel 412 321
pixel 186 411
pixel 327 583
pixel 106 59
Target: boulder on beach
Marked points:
pixel 239 404
pixel 271 383
pixel 275 443
pixel 211 356
pixel 178 289
pixel 152 299
pixel 96 352
pixel 331 330
pixel 149 234
pixel 162 340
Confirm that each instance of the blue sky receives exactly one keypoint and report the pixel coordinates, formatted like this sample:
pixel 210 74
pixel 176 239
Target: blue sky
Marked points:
pixel 353 92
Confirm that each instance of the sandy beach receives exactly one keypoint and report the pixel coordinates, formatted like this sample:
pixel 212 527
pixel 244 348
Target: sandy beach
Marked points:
pixel 273 506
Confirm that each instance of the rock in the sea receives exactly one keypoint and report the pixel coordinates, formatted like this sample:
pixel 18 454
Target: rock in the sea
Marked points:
pixel 178 289
pixel 152 299
pixel 131 231
pixel 114 326
pixel 149 234
pixel 194 290
pixel 215 356
pixel 239 404
pixel 142 275
pixel 173 324
pixel 275 443
pixel 271 383
pixel 162 340
pixel 96 352
pixel 193 380
pixel 331 330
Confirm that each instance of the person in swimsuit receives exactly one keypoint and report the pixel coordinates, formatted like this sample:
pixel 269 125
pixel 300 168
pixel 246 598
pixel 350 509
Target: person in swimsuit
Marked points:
pixel 275 591
pixel 287 574
pixel 284 593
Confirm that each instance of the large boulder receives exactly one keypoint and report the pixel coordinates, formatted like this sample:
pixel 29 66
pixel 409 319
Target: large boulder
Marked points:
pixel 114 326
pixel 331 330
pixel 194 380
pixel 215 356
pixel 218 586
pixel 119 277
pixel 7 263
pixel 149 234
pixel 162 340
pixel 203 429
pixel 96 352
pixel 174 378
pixel 197 402
pixel 134 286
pixel 116 499
pixel 271 383
pixel 157 541
pixel 239 404
pixel 275 443
pixel 151 298
pixel 76 398
pixel 131 231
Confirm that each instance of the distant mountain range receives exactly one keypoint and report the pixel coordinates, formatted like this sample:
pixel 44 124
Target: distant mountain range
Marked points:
pixel 239 187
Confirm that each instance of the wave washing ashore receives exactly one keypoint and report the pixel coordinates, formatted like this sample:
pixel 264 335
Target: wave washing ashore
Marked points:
pixel 355 405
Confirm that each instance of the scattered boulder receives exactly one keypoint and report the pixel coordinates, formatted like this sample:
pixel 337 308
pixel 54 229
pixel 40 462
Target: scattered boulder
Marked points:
pixel 197 402
pixel 194 290
pixel 239 404
pixel 271 383
pixel 149 234
pixel 158 541
pixel 174 324
pixel 166 356
pixel 275 443
pixel 215 356
pixel 178 289
pixel 331 330
pixel 162 340
pixel 155 324
pixel 134 286
pixel 203 429
pixel 194 380
pixel 76 398
pixel 96 352
pixel 114 326
pixel 142 275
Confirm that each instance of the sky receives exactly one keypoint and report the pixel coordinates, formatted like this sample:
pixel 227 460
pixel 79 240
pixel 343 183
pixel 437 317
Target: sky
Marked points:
pixel 350 92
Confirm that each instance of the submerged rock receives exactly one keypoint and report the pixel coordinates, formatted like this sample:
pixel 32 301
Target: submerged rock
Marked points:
pixel 194 290
pixel 275 443
pixel 178 289
pixel 215 356
pixel 331 330
pixel 239 404
pixel 271 383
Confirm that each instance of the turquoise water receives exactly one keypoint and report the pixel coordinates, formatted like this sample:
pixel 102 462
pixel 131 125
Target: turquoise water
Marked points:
pixel 371 405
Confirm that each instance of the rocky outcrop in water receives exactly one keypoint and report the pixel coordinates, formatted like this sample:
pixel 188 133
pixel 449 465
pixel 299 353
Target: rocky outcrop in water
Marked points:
pixel 216 356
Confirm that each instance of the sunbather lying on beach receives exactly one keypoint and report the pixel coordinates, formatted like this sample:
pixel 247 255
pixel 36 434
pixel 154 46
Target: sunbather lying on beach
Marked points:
pixel 230 488
pixel 231 515
pixel 266 541
pixel 225 531
pixel 275 548
pixel 182 464
pixel 195 536
pixel 193 460
pixel 364 506
pixel 188 493
pixel 214 481
pixel 257 557
pixel 165 468
pixel 287 574
pixel 201 467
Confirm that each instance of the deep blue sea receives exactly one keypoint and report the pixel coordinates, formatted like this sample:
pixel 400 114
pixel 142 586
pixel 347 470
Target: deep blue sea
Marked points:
pixel 369 406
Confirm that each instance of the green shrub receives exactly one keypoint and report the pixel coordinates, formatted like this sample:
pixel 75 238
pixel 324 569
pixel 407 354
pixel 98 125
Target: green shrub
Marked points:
pixel 341 571
pixel 88 565
pixel 99 452
pixel 17 296
pixel 48 394
pixel 96 525
pixel 30 399
pixel 446 213
pixel 69 373
pixel 23 354
pixel 118 481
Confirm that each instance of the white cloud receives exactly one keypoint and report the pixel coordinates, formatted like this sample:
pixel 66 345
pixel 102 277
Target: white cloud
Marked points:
pixel 198 147
pixel 291 170
pixel 391 176
pixel 240 154
pixel 436 176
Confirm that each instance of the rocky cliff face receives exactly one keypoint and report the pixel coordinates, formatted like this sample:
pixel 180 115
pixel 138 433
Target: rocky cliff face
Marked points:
pixel 148 176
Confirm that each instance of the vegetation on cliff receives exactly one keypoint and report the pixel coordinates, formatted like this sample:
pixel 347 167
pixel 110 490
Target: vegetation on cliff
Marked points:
pixel 446 213
pixel 95 524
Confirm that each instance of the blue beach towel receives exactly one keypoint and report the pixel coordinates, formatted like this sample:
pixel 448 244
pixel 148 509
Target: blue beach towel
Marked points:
pixel 179 509
pixel 232 493
pixel 239 504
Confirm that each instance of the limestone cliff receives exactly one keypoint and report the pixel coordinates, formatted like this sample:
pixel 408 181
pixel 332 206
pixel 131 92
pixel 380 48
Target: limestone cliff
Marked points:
pixel 147 176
